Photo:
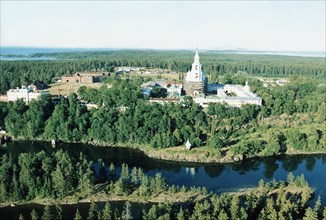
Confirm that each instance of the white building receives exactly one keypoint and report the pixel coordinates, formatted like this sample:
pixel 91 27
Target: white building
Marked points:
pixel 195 85
pixel 195 81
pixel 233 95
pixel 195 74
pixel 25 93
pixel 174 89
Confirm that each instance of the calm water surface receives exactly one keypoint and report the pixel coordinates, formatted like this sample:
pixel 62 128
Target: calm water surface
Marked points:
pixel 215 177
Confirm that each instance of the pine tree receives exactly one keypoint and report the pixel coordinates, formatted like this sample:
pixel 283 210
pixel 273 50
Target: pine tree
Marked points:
pixel 235 209
pixel 181 214
pixel 310 214
pixel 46 213
pixel 124 173
pixel 58 182
pixel 58 210
pixel 152 213
pixel 92 211
pixel 290 178
pixel 134 176
pixel 112 172
pixel 317 208
pixel 107 212
pixel 222 215
pixel 77 215
pixel 99 215
pixel 34 215
pixel 21 217
pixel 126 213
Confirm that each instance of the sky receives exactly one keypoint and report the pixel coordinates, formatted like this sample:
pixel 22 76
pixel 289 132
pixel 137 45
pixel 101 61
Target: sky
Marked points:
pixel 252 25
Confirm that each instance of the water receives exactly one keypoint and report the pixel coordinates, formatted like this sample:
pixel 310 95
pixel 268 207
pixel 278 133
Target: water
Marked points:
pixel 215 177
pixel 285 53
pixel 32 50
pixel 25 51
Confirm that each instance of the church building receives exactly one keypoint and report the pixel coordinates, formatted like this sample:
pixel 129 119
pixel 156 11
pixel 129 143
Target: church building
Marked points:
pixel 195 81
pixel 195 85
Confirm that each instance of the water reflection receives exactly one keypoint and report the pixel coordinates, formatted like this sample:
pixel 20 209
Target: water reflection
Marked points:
pixel 290 164
pixel 310 163
pixel 215 177
pixel 270 167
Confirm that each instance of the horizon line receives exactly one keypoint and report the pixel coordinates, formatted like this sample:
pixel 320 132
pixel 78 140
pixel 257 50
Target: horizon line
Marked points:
pixel 167 49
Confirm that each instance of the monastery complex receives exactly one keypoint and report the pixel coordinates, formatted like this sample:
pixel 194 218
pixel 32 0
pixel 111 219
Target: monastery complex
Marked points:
pixel 195 85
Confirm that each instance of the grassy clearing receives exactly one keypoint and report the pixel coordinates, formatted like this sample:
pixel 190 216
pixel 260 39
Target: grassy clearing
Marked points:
pixel 64 88
pixel 199 154
pixel 168 76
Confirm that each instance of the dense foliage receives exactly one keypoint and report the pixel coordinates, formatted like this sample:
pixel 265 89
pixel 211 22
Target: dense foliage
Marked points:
pixel 59 176
pixel 16 73
pixel 289 119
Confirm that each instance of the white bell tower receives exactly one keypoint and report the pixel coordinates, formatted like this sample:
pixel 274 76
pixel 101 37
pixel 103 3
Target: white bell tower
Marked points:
pixel 196 74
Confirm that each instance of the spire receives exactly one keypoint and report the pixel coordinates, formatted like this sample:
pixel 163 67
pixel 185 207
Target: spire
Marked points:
pixel 196 55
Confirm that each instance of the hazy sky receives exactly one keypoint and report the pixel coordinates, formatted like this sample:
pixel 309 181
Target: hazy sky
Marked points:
pixel 264 25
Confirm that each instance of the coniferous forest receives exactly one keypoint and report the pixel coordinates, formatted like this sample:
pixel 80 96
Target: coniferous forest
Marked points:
pixel 58 176
pixel 288 120
pixel 17 73
pixel 291 120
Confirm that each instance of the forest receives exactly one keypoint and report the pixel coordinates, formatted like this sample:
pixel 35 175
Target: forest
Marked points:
pixel 291 118
pixel 58 176
pixel 16 73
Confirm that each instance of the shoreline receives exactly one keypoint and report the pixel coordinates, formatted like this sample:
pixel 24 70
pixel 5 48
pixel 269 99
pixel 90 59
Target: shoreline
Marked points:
pixel 176 198
pixel 198 155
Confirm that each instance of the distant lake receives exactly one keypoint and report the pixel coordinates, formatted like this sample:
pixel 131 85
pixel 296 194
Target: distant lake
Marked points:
pixel 32 50
pixel 285 53
pixel 26 58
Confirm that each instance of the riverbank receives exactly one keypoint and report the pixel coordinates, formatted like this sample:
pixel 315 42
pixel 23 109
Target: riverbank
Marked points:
pixel 179 197
pixel 104 196
pixel 198 154
pixel 206 155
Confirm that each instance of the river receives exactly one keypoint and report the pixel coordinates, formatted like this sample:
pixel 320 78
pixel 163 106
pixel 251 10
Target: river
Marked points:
pixel 215 177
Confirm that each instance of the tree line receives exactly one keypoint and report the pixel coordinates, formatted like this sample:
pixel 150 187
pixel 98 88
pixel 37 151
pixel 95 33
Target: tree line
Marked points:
pixel 17 73
pixel 57 176
pixel 124 116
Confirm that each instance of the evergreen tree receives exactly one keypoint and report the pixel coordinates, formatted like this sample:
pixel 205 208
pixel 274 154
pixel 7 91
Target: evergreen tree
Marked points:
pixel 58 210
pixel 58 182
pixel 181 214
pixel 21 217
pixel 234 208
pixel 310 214
pixel 34 215
pixel 222 215
pixel 290 178
pixel 317 208
pixel 77 215
pixel 112 172
pixel 107 212
pixel 46 213
pixel 126 213
pixel 92 212
pixel 152 214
